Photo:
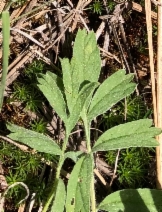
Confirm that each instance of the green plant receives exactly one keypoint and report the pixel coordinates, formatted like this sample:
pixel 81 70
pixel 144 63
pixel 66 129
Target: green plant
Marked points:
pixel 15 160
pixel 17 191
pixel 133 167
pixel 39 126
pixel 18 3
pixel 35 69
pixel 27 94
pixel 34 100
pixel 111 5
pixel 77 95
pixel 6 37
pixel 133 162
pixel 21 91
pixel 97 6
pixel 130 109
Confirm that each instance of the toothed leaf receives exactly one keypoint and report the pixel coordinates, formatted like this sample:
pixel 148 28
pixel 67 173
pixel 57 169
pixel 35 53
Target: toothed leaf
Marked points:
pixel 35 140
pixel 111 91
pixel 52 88
pixel 84 67
pixel 132 134
pixel 79 104
pixel 78 189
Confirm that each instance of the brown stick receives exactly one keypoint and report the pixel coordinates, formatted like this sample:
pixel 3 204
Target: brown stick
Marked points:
pixel 151 56
pixel 137 7
pixel 159 98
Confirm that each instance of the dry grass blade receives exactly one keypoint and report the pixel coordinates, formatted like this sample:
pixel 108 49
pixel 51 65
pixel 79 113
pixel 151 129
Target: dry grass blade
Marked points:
pixel 23 185
pixel 159 98
pixel 137 7
pixel 2 5
pixel 22 147
pixel 151 55
pixel 14 73
pixel 28 36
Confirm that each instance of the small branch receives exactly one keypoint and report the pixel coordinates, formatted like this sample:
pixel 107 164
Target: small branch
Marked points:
pixel 116 165
pixel 23 185
pixel 22 147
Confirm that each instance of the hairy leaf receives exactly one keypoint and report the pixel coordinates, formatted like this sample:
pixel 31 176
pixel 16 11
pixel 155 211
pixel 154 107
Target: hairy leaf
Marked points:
pixel 136 200
pixel 52 88
pixel 79 104
pixel 133 134
pixel 112 90
pixel 84 67
pixel 87 57
pixel 59 201
pixel 73 155
pixel 78 189
pixel 67 80
pixel 35 140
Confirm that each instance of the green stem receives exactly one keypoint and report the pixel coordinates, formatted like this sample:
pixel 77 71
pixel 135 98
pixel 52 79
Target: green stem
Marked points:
pixel 93 197
pixel 6 37
pixel 87 133
pixel 55 184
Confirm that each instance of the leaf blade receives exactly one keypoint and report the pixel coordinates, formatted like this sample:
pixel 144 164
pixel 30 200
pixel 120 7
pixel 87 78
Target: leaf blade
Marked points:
pixel 73 155
pixel 132 134
pixel 79 104
pixel 78 189
pixel 112 90
pixel 128 199
pixel 67 80
pixel 87 55
pixel 35 140
pixel 51 84
pixel 59 203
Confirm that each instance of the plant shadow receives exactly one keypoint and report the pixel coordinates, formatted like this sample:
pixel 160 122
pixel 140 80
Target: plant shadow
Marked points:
pixel 133 201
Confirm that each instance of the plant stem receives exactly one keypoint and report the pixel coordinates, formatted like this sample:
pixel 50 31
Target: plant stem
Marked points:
pixel 6 37
pixel 54 187
pixel 92 190
pixel 87 133
pixel 93 198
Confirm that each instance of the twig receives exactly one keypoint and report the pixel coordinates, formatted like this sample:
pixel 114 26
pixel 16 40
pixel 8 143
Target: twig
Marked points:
pixel 13 74
pixel 70 3
pixel 100 29
pixel 102 179
pixel 22 147
pixel 31 203
pixel 60 36
pixel 125 109
pixel 28 36
pixel 23 185
pixel 128 50
pixel 121 49
pixel 156 3
pixel 60 25
pixel 130 5
pixel 110 55
pixel 84 23
pixel 115 169
pixel 32 199
pixel 151 57
pixel 158 113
